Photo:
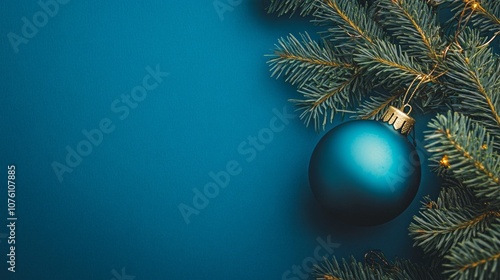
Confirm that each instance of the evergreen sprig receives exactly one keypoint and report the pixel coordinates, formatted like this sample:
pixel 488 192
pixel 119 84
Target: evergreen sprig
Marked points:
pixel 453 195
pixel 305 60
pixel 485 14
pixel 389 65
pixel 438 230
pixel 415 26
pixel 325 75
pixel 470 153
pixel 353 269
pixel 348 23
pixel 473 77
pixel 391 44
pixel 290 6
pixel 478 258
pixel 347 270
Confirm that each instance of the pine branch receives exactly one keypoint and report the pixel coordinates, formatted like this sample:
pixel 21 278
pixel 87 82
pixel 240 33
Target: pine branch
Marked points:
pixel 474 78
pixel 469 152
pixel 347 270
pixel 387 64
pixel 485 13
pixel 327 77
pixel 323 100
pixel 375 106
pixel 454 195
pixel 436 231
pixel 306 60
pixel 478 258
pixel 352 23
pixel 414 24
pixel 353 270
pixel 305 7
pixel 417 271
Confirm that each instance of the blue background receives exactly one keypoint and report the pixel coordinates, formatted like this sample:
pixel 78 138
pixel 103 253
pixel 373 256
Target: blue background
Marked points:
pixel 119 207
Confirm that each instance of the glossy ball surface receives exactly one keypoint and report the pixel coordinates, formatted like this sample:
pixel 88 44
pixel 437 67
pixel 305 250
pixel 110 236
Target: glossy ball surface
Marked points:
pixel 364 172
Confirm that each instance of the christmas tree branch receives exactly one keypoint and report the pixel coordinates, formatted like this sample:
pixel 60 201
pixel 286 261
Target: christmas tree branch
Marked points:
pixel 321 98
pixel 436 231
pixel 489 9
pixel 415 25
pixel 306 7
pixel 469 152
pixel 454 195
pixel 475 72
pixel 351 20
pixel 347 270
pixel 478 258
pixel 306 60
pixel 387 64
pixel 380 270
pixel 375 106
pixel 485 14
pixel 467 155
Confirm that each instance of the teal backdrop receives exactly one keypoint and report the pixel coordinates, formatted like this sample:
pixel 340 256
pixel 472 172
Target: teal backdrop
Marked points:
pixel 149 142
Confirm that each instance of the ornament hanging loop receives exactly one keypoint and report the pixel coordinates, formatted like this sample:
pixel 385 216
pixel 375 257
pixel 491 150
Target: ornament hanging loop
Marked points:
pixel 423 79
pixel 406 106
pixel 398 118
pixel 403 101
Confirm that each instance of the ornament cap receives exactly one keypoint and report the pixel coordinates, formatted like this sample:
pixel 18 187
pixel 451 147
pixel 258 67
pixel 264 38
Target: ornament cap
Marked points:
pixel 400 120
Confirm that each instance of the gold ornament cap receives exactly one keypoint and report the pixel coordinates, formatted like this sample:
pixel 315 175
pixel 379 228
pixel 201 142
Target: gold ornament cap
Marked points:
pixel 400 120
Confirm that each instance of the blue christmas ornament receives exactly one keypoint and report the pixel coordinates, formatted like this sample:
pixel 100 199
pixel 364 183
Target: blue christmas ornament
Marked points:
pixel 366 172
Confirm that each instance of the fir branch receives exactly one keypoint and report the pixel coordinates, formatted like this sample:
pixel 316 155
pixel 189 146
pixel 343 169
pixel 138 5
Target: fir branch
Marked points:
pixel 387 64
pixel 454 194
pixel 478 258
pixel 322 100
pixel 416 271
pixel 474 78
pixel 306 60
pixel 436 231
pixel 375 106
pixel 485 13
pixel 415 25
pixel 354 270
pixel 347 270
pixel 457 215
pixel 281 7
pixel 352 23
pixel 469 150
